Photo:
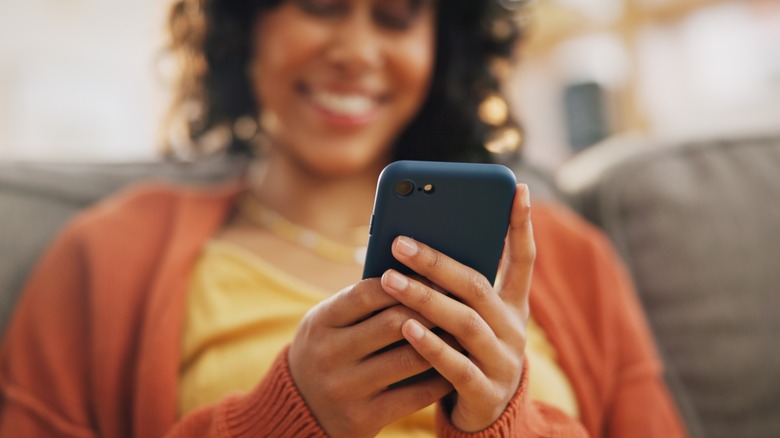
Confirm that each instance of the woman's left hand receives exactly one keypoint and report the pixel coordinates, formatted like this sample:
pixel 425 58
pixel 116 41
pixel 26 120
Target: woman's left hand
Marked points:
pixel 488 322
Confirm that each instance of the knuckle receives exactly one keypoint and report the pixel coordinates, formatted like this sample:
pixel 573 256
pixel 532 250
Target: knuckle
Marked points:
pixel 525 311
pixel 358 297
pixel 472 323
pixel 408 359
pixel 425 394
pixel 497 392
pixel 309 321
pixel 317 317
pixel 393 318
pixel 480 287
pixel 516 363
pixel 429 394
pixel 433 259
pixel 467 373
pixel 512 359
pixel 425 295
pixel 359 294
pixel 437 352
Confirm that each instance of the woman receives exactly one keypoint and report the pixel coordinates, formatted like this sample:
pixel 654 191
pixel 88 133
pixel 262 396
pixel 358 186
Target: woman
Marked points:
pixel 213 312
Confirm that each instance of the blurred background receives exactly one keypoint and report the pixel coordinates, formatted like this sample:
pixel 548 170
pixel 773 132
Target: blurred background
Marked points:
pixel 78 79
pixel 81 80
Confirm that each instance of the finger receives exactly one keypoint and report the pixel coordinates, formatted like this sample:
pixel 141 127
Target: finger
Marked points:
pixel 354 304
pixel 452 316
pixel 380 330
pixel 467 284
pixel 464 375
pixel 378 372
pixel 520 252
pixel 404 400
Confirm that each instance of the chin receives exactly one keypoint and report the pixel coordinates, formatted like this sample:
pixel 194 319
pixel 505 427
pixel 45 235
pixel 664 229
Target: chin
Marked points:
pixel 343 165
pixel 340 168
pixel 342 157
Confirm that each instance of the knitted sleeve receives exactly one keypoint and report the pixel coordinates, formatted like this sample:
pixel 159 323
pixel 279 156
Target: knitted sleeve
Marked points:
pixel 273 408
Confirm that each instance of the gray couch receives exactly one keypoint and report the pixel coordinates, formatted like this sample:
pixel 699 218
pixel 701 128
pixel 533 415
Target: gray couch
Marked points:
pixel 698 226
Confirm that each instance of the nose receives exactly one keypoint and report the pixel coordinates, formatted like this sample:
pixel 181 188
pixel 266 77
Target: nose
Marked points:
pixel 356 45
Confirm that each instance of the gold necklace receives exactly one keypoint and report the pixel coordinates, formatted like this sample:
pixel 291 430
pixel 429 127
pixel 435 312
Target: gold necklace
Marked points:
pixel 280 226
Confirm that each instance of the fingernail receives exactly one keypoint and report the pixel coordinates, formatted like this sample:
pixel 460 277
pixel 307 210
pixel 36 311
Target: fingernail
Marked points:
pixel 396 280
pixel 526 199
pixel 414 329
pixel 406 246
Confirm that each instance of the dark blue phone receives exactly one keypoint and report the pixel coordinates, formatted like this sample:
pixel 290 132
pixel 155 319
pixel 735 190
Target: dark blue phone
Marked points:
pixel 459 209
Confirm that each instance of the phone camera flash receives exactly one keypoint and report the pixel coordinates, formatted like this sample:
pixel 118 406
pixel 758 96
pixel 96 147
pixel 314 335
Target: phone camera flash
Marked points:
pixel 428 188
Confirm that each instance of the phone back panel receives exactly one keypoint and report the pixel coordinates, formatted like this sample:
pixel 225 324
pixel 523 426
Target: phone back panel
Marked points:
pixel 465 216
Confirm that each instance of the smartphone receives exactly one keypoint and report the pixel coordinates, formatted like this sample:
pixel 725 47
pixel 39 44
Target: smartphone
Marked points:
pixel 459 209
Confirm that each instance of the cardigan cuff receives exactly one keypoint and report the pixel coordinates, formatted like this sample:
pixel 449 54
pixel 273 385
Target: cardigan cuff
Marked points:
pixel 512 422
pixel 273 408
pixel 521 418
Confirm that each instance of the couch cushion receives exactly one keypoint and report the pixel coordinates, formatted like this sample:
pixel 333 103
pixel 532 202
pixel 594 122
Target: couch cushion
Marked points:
pixel 699 227
pixel 37 199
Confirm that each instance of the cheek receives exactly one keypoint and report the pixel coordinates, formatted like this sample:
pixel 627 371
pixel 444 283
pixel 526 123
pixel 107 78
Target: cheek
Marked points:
pixel 283 45
pixel 414 63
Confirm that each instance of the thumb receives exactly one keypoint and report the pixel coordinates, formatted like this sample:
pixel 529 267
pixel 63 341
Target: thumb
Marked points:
pixel 517 262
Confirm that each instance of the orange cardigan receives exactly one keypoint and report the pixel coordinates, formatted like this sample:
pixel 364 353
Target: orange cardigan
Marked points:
pixel 93 348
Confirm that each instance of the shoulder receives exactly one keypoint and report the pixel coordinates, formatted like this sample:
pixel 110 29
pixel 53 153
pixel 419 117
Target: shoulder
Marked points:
pixel 561 232
pixel 149 209
pixel 155 201
pixel 117 246
pixel 135 227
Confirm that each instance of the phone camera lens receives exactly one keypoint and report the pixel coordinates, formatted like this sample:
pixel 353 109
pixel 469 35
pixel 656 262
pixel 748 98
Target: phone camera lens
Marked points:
pixel 404 188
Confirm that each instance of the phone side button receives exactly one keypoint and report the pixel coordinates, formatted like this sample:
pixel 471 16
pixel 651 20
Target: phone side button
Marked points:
pixel 371 226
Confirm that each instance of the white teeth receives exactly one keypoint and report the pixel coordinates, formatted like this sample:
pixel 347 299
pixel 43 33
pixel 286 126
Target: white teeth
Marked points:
pixel 350 105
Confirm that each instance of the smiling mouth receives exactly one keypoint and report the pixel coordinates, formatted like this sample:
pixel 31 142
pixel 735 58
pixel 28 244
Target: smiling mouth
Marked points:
pixel 353 105
pixel 343 107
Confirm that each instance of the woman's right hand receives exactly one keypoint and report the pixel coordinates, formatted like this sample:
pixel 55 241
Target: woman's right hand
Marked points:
pixel 341 372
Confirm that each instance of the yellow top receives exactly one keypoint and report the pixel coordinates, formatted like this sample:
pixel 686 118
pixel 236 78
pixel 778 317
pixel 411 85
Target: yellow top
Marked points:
pixel 240 308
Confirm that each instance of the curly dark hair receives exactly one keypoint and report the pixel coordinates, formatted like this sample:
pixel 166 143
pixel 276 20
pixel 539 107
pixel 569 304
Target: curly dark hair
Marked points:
pixel 212 40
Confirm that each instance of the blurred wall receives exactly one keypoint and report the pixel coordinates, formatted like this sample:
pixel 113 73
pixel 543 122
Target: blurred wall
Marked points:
pixel 665 70
pixel 78 80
